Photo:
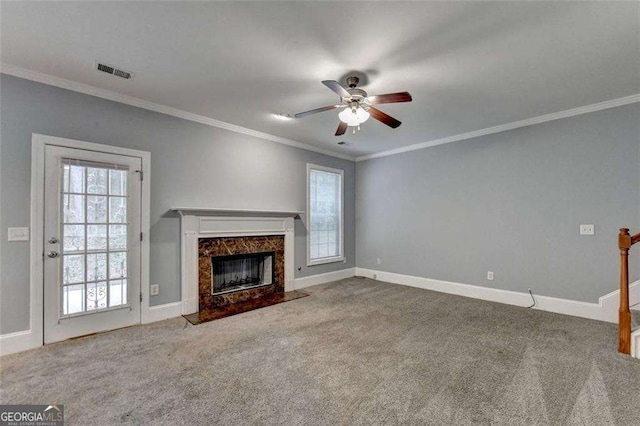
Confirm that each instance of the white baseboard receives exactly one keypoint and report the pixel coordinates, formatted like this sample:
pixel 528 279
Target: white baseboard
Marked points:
pixel 299 283
pixel 635 344
pixel 162 312
pixel 605 310
pixel 19 341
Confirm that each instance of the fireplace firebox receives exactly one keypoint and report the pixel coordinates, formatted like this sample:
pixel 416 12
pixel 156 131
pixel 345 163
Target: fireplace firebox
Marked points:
pixel 236 272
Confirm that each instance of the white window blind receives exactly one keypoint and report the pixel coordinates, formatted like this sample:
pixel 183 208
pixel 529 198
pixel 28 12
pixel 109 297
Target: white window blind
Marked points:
pixel 325 214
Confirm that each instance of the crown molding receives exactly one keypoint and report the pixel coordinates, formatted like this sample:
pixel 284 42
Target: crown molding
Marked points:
pixel 163 109
pixel 509 126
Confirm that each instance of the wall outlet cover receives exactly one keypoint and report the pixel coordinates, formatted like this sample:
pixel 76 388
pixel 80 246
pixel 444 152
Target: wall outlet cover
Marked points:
pixel 18 234
pixel 154 289
pixel 490 275
pixel 587 229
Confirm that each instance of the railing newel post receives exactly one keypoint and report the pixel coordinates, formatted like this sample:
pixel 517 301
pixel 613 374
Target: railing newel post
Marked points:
pixel 624 314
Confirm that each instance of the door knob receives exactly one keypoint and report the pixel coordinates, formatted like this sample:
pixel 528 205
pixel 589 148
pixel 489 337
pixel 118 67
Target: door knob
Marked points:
pixel 52 254
pixel 53 240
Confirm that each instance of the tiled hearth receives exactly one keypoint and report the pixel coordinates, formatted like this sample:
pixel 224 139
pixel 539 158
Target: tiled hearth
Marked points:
pixel 210 247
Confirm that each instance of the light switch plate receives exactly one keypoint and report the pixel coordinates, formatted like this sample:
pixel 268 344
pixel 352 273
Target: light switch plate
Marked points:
pixel 154 289
pixel 18 234
pixel 587 229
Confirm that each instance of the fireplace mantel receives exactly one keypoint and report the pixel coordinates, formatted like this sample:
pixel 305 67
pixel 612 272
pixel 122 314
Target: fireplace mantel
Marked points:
pixel 199 222
pixel 204 211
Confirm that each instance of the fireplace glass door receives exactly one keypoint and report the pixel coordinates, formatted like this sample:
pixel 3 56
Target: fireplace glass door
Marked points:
pixel 242 271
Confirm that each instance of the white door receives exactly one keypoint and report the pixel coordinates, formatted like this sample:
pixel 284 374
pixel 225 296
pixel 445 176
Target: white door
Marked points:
pixel 92 249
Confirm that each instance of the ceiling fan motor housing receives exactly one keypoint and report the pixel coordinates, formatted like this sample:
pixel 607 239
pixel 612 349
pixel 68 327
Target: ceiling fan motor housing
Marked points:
pixel 358 96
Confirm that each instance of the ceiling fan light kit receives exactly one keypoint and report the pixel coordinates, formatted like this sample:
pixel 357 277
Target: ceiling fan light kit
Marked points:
pixel 358 106
pixel 354 115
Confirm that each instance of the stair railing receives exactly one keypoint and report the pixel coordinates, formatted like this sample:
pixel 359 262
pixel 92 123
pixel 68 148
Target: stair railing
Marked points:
pixel 625 241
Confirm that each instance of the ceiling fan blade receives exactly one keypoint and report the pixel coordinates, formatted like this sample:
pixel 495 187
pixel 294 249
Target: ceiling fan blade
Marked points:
pixel 390 98
pixel 342 128
pixel 383 118
pixel 337 87
pixel 313 111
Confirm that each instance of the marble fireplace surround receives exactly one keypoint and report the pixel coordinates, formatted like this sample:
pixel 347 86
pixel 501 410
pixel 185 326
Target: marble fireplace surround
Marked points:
pixel 206 223
pixel 225 246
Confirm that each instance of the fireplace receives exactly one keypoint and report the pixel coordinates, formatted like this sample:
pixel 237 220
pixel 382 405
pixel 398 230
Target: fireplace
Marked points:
pixel 237 269
pixel 242 271
pixel 207 233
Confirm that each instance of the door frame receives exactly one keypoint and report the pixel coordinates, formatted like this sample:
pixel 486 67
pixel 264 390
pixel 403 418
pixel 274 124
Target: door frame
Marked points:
pixel 37 240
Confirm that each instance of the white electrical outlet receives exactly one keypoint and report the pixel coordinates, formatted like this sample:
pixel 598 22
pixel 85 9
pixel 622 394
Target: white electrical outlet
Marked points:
pixel 378 261
pixel 375 276
pixel 18 234
pixel 587 229
pixel 490 275
pixel 154 289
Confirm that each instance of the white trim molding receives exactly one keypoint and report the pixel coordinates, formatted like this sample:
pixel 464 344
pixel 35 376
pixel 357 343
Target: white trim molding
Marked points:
pixel 19 341
pixel 162 109
pixel 162 312
pixel 340 257
pixel 328 277
pixel 24 340
pixel 635 344
pixel 605 310
pixel 508 126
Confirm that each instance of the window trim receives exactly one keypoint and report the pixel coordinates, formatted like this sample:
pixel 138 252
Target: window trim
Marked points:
pixel 340 257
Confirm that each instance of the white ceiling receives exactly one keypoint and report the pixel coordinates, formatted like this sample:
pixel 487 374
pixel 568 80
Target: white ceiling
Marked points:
pixel 468 65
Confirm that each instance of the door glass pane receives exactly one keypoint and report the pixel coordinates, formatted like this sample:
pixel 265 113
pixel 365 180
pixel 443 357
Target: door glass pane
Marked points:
pixel 96 209
pixel 96 180
pixel 73 299
pixel 117 237
pixel 73 208
pixel 96 296
pixel 73 269
pixel 117 292
pixel 97 237
pixel 117 209
pixel 94 235
pixel 73 238
pixel 96 266
pixel 117 265
pixel 73 178
pixel 117 182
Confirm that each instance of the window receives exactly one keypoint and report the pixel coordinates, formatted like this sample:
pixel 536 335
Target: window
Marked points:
pixel 324 215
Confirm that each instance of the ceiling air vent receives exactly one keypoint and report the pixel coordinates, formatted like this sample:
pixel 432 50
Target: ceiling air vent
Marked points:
pixel 114 71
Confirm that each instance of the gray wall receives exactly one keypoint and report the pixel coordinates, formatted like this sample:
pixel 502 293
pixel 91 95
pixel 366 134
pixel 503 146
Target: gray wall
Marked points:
pixel 511 203
pixel 191 165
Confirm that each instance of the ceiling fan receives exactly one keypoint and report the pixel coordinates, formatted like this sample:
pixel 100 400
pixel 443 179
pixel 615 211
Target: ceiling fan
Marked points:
pixel 358 105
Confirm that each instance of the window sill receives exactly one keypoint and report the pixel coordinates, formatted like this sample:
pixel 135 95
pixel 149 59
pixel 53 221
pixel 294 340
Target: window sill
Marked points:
pixel 325 261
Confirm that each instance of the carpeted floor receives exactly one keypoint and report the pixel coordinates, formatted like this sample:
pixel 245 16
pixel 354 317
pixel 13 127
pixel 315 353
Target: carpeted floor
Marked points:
pixel 355 352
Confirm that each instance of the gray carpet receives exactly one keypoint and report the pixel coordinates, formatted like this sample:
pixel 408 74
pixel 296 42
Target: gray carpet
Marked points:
pixel 355 352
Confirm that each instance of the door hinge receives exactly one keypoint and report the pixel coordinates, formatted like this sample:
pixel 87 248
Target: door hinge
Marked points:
pixel 141 236
pixel 141 174
pixel 140 297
